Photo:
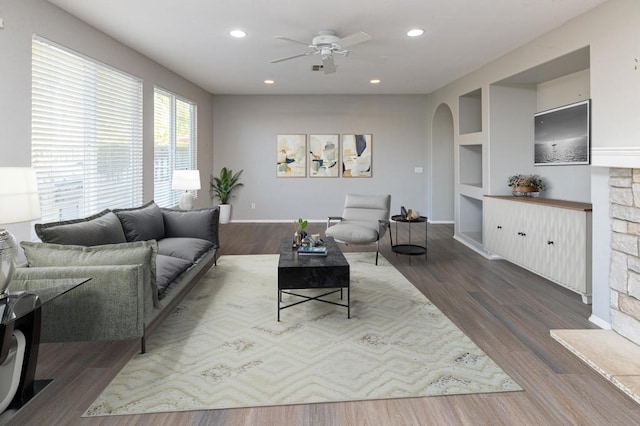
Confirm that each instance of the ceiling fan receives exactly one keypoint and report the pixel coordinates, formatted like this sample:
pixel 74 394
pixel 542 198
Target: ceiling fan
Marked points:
pixel 326 44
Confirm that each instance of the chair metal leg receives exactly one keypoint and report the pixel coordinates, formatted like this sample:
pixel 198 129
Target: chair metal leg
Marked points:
pixel 377 251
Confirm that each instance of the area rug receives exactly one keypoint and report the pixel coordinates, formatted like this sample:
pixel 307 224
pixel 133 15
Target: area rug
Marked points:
pixel 223 346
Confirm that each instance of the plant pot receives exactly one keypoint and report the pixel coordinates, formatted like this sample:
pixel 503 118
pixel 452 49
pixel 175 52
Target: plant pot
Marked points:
pixel 225 213
pixel 524 191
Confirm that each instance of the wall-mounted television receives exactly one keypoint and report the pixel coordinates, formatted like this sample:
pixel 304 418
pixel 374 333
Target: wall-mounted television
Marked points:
pixel 562 135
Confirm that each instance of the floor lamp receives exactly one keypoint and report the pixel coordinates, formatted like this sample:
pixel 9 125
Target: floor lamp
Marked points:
pixel 186 180
pixel 19 202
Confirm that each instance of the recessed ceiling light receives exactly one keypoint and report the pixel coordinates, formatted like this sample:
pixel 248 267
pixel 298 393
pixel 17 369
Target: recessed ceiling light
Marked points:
pixel 416 32
pixel 237 33
pixel 269 82
pixel 375 81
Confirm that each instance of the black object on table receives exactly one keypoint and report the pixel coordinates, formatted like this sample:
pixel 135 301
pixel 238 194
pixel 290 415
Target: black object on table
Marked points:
pixel 22 311
pixel 297 271
pixel 410 249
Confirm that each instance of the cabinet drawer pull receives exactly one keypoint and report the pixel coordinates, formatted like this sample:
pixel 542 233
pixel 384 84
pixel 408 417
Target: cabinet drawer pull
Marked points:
pixel 549 242
pixel 499 227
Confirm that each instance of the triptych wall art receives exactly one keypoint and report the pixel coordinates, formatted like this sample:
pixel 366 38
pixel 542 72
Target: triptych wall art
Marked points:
pixel 325 156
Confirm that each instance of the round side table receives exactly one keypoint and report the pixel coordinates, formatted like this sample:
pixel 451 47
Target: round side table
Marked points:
pixel 410 248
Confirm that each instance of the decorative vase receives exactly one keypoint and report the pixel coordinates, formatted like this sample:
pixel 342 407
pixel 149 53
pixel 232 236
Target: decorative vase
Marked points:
pixel 225 213
pixel 297 239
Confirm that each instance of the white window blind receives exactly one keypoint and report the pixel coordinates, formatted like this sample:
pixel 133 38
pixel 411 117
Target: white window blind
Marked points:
pixel 175 142
pixel 86 134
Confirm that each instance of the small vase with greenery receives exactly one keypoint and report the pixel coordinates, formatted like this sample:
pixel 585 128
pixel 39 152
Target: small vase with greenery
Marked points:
pixel 221 188
pixel 526 184
pixel 300 233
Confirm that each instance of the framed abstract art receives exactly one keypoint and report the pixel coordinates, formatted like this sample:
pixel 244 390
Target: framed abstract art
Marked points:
pixel 291 155
pixel 324 155
pixel 357 155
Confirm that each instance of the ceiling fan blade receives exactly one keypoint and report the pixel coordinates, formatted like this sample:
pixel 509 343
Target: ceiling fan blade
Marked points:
pixel 293 40
pixel 366 57
pixel 328 65
pixel 353 39
pixel 288 57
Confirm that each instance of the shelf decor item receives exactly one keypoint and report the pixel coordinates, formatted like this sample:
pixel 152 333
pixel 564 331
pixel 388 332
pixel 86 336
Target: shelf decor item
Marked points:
pixel 526 185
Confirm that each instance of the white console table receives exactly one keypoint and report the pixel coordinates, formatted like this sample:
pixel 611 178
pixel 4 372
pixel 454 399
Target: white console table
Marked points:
pixel 551 238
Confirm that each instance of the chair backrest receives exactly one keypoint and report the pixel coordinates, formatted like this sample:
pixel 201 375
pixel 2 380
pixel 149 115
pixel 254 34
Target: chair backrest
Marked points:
pixel 366 207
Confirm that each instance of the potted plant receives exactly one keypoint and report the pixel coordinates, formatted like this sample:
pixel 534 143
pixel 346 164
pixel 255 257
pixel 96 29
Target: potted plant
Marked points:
pixel 300 233
pixel 526 185
pixel 221 188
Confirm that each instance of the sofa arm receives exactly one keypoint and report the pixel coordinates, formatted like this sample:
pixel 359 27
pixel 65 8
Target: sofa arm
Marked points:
pixel 108 307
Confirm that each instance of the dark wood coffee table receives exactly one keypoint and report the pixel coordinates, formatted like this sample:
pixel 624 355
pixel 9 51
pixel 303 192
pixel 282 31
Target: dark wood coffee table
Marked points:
pixel 297 271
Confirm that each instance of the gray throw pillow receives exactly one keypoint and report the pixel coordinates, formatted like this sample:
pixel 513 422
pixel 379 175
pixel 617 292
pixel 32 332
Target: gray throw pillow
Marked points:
pixel 142 223
pixel 200 223
pixel 136 253
pixel 99 229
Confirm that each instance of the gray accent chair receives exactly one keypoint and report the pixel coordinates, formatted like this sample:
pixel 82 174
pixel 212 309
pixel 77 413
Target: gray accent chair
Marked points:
pixel 364 220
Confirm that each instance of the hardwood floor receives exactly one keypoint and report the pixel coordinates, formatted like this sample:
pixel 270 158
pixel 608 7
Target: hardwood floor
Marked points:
pixel 505 310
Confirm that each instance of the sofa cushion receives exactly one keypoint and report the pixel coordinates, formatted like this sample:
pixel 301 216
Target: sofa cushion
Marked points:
pixel 99 229
pixel 199 223
pixel 137 253
pixel 168 268
pixel 142 223
pixel 189 249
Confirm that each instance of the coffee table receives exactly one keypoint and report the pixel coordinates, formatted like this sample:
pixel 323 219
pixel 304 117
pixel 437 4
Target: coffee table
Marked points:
pixel 297 271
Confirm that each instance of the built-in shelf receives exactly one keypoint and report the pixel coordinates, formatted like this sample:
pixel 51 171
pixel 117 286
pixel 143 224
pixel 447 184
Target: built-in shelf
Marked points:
pixel 471 218
pixel 487 154
pixel 471 165
pixel 470 110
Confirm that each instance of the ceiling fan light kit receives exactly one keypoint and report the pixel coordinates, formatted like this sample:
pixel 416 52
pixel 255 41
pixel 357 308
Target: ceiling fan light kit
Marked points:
pixel 326 44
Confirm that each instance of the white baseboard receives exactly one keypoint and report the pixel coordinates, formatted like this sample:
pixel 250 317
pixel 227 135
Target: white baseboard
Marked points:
pixel 599 322
pixel 473 247
pixel 442 222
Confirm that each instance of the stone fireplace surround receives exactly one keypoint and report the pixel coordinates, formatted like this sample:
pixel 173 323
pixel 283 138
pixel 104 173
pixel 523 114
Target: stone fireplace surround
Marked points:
pixel 624 272
pixel 615 353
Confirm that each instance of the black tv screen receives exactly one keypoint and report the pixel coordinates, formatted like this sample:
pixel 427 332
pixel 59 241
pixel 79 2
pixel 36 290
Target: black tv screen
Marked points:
pixel 562 135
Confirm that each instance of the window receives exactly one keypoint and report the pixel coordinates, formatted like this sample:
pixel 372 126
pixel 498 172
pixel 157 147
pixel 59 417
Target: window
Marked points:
pixel 175 141
pixel 86 134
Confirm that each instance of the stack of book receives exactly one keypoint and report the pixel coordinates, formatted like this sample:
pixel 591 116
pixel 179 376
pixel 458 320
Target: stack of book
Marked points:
pixel 314 251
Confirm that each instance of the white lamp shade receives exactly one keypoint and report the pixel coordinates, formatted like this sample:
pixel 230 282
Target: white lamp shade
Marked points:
pixel 19 200
pixel 186 180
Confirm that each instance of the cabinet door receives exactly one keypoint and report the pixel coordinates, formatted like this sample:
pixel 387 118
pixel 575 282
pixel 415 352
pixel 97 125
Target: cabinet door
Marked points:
pixel 565 248
pixel 498 223
pixel 531 234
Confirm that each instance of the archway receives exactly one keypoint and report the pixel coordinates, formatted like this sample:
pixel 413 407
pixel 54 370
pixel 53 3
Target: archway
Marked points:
pixel 442 198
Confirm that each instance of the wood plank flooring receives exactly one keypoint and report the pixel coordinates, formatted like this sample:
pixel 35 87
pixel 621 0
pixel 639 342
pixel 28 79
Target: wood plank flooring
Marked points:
pixel 504 309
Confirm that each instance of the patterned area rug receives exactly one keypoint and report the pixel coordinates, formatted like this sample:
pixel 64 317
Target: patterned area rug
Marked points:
pixel 223 347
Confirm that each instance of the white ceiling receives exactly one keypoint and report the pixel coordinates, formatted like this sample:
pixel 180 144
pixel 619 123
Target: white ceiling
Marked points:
pixel 191 38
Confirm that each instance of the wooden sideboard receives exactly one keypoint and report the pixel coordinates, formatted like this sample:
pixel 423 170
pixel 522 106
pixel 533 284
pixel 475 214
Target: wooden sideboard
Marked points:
pixel 551 238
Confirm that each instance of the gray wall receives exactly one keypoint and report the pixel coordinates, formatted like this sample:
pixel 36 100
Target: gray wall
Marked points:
pixel 22 19
pixel 245 129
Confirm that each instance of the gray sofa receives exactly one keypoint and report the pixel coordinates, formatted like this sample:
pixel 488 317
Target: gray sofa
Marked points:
pixel 141 262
